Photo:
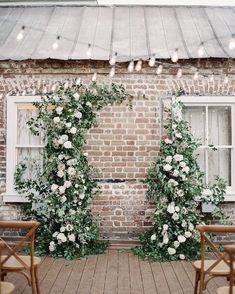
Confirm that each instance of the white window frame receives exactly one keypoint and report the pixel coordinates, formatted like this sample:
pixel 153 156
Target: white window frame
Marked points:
pixel 11 194
pixel 219 101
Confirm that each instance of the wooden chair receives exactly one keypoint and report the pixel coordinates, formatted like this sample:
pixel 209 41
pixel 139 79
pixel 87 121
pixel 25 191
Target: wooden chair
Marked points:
pixel 14 260
pixel 5 287
pixel 206 269
pixel 230 250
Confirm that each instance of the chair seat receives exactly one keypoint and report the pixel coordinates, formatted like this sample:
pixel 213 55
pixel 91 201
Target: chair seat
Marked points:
pixel 13 264
pixel 220 269
pixel 6 288
pixel 224 290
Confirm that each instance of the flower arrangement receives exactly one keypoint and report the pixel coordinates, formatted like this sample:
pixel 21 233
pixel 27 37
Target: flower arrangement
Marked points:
pixel 61 193
pixel 176 186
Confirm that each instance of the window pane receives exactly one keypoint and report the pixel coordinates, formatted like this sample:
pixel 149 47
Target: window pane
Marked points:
pixel 24 135
pixel 219 125
pixel 201 160
pixel 195 115
pixel 219 164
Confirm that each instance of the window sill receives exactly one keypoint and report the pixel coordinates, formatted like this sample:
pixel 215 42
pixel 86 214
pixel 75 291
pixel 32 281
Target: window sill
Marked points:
pixel 7 198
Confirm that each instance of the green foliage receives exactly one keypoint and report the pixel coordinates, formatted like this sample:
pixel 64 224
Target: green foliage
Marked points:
pixel 176 186
pixel 61 191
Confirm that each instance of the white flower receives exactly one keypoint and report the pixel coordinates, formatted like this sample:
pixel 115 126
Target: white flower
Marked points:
pixel 184 223
pixel 153 237
pixel 180 193
pixel 207 192
pixel 62 237
pixel 165 227
pixel 167 167
pixel 73 130
pixel 72 211
pixel 183 177
pixel 171 208
pixel 174 126
pixel 62 189
pixel 178 157
pixel 171 251
pixel 178 135
pixel 56 98
pixel 63 199
pixel 191 227
pixel 55 234
pixel 173 182
pixel 78 114
pixel 188 234
pixel 87 228
pixel 85 154
pixel 61 156
pixel 176 244
pixel 175 173
pixel 168 141
pixel 67 184
pixel 182 256
pixel 168 159
pixel 62 229
pixel 71 171
pixel 81 196
pixel 54 187
pixel 60 173
pixel 56 120
pixel 76 96
pixel 59 110
pixel 186 169
pixel 69 227
pixel 68 125
pixel 181 239
pixel 88 104
pixel 165 239
pixel 61 166
pixel 63 139
pixel 177 209
pixel 182 164
pixel 52 246
pixel 175 216
pixel 71 237
pixel 67 145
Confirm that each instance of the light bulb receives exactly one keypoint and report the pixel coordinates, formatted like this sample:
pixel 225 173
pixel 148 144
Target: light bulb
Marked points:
pixel 113 59
pixel 78 81
pixel 66 85
pixel 88 52
pixel 112 72
pixel 226 80
pixel 179 73
pixel 55 45
pixel 24 93
pixel 211 78
pixel 174 56
pixel 201 50
pixel 138 66
pixel 53 88
pixel 232 43
pixel 152 61
pixel 34 92
pixel 45 90
pixel 20 36
pixel 196 76
pixel 131 66
pixel 94 77
pixel 17 94
pixel 159 69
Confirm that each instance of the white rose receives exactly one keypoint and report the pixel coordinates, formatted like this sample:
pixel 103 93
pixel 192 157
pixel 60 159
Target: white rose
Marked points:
pixel 207 192
pixel 62 229
pixel 71 171
pixel 178 135
pixel 172 182
pixel 168 141
pixel 69 227
pixel 67 145
pixel 59 109
pixel 165 227
pixel 171 208
pixel 191 227
pixel 180 193
pixel 175 216
pixel 54 187
pixel 56 98
pixel 81 196
pixel 182 256
pixel 183 177
pixel 176 244
pixel 67 184
pixel 88 104
pixel 175 173
pixel 186 169
pixel 182 164
pixel 181 239
pixel 177 209
pixel 71 237
pixel 188 234
pixel 52 246
pixel 62 237
pixel 178 157
pixel 61 166
pixel 153 237
pixel 184 223
pixel 73 130
pixel 62 189
pixel 55 234
pixel 60 173
pixel 167 167
pixel 165 239
pixel 61 156
pixel 174 126
pixel 171 251
pixel 56 120
pixel 72 211
pixel 78 114
pixel 63 199
pixel 168 159
pixel 68 125
pixel 76 96
pixel 85 154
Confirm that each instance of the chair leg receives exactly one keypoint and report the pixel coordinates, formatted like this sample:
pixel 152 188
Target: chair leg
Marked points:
pixel 33 284
pixel 36 280
pixel 197 278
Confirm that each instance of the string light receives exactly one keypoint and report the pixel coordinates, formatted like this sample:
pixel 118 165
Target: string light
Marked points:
pixel 226 80
pixel 24 93
pixel 112 72
pixel 201 50
pixel 113 59
pixel 78 81
pixel 138 66
pixel 53 88
pixel 34 92
pixel 45 90
pixel 152 61
pixel 159 69
pixel 211 78
pixel 20 36
pixel 196 75
pixel 88 52
pixel 55 45
pixel 174 56
pixel 94 77
pixel 232 42
pixel 179 73
pixel 66 85
pixel 131 66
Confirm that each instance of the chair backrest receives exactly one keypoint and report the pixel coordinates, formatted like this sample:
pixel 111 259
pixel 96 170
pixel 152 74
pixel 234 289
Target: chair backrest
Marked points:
pixel 27 231
pixel 216 249
pixel 230 250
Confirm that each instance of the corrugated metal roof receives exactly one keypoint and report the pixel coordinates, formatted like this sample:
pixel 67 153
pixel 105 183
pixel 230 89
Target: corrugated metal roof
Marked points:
pixel 132 32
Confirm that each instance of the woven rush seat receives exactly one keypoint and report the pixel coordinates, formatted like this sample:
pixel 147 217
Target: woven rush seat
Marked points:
pixel 220 269
pixel 13 264
pixel 225 290
pixel 6 288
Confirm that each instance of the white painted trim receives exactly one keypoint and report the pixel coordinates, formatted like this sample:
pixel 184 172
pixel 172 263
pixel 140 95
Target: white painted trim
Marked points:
pixel 16 198
pixel 208 99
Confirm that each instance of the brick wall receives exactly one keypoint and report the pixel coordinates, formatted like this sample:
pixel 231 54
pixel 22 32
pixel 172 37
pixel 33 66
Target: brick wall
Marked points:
pixel 126 141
